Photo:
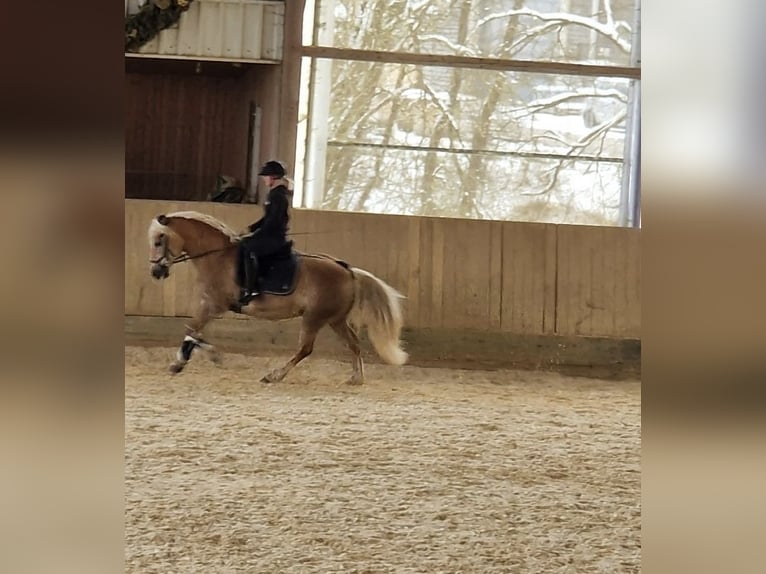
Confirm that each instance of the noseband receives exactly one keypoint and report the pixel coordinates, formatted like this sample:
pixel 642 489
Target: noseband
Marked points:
pixel 165 261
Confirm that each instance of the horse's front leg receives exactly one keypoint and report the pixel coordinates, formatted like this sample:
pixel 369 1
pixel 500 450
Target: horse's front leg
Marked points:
pixel 193 339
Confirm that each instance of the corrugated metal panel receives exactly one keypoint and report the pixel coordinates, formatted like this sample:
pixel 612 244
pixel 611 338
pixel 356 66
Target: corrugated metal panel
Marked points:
pixel 273 28
pixel 233 30
pixel 253 37
pixel 227 30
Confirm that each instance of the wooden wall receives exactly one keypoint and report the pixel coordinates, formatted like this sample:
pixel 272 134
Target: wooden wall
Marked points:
pixel 527 278
pixel 186 125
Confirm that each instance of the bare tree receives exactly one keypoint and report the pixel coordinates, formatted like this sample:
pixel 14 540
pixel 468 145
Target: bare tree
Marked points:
pixel 468 143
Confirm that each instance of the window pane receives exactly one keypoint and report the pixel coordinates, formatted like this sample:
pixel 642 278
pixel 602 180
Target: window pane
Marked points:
pixel 470 143
pixel 581 31
pixel 394 181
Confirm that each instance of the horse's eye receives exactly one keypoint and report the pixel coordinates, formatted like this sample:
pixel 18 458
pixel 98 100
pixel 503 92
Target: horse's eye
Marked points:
pixel 158 241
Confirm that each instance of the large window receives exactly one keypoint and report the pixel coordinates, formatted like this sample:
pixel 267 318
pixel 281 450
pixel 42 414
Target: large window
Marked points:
pixel 485 109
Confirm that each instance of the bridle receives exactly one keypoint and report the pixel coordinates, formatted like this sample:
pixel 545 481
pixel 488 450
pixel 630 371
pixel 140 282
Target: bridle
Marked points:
pixel 165 261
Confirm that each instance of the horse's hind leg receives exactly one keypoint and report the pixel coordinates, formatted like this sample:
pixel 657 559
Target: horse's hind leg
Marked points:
pixel 309 329
pixel 349 336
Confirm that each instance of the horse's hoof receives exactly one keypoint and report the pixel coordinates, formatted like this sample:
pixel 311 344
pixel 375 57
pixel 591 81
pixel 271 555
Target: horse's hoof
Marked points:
pixel 176 368
pixel 271 378
pixel 355 381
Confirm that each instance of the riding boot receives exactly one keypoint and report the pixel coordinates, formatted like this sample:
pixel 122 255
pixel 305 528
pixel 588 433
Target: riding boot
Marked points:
pixel 250 288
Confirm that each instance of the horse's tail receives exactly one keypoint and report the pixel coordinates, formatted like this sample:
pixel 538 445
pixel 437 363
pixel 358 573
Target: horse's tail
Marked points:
pixel 377 307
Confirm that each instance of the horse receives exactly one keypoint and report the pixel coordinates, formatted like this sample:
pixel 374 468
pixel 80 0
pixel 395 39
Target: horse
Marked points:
pixel 323 291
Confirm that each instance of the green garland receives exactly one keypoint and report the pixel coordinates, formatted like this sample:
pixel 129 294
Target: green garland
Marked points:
pixel 153 17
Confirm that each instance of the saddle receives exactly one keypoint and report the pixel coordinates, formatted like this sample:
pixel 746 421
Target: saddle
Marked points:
pixel 278 271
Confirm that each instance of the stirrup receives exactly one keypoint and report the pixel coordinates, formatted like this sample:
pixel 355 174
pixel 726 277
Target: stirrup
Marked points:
pixel 248 296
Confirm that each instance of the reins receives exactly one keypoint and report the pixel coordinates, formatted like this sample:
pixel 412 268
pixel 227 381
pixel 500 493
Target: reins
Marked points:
pixel 186 257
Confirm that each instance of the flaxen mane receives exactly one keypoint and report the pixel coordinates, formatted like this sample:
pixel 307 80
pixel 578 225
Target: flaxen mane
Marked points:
pixel 211 221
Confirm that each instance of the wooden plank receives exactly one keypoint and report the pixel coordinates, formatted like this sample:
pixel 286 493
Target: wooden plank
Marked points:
pixel 598 281
pixel 627 294
pixel 145 116
pixel 299 220
pixel 467 258
pixel 437 279
pixel 413 270
pixel 448 274
pixel 550 271
pixel 290 79
pixel 536 67
pixel 159 145
pixel 570 263
pixel 236 131
pixel 602 280
pixel 426 274
pixel 525 249
pixel 390 236
pixel 263 88
pixel 632 305
pixel 330 234
pixel 495 300
pixel 133 292
pixel 205 123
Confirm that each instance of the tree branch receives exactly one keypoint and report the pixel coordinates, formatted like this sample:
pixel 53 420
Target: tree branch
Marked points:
pixel 458 49
pixel 609 13
pixel 575 147
pixel 545 103
pixel 610 31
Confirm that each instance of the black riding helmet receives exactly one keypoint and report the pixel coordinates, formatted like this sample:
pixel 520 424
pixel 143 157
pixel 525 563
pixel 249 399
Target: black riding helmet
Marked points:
pixel 273 168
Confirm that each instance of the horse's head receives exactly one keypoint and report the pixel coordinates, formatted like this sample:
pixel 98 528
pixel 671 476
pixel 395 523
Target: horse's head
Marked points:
pixel 185 235
pixel 165 245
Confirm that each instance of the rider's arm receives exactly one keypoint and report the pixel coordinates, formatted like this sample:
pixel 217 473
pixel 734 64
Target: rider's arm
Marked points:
pixel 276 214
pixel 257 225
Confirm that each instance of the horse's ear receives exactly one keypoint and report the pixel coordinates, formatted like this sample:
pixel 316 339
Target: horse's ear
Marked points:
pixel 162 220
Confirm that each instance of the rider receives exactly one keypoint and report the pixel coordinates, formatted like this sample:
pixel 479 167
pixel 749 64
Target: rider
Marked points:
pixel 269 234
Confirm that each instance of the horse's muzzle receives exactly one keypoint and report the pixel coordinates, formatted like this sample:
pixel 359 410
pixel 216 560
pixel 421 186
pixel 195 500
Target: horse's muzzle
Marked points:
pixel 160 271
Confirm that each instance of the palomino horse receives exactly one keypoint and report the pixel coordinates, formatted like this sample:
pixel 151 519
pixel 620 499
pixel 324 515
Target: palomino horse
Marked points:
pixel 325 292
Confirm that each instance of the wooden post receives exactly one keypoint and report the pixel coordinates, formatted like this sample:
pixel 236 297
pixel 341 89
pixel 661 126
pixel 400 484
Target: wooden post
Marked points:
pixel 290 85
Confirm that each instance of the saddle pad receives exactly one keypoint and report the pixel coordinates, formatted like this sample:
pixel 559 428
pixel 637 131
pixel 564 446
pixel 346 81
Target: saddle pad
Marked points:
pixel 278 277
pixel 278 274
